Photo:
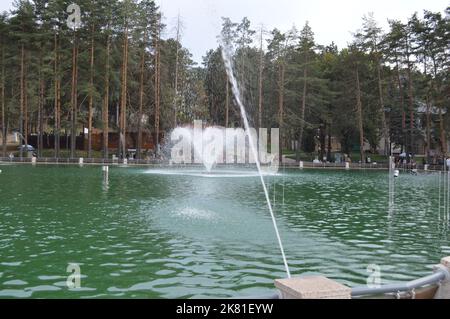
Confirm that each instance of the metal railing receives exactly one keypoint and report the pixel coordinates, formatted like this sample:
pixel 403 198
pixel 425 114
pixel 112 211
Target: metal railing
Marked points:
pixel 440 275
pixel 98 161
pixel 131 162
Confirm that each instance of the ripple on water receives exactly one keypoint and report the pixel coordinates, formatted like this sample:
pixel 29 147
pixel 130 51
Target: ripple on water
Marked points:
pixel 153 235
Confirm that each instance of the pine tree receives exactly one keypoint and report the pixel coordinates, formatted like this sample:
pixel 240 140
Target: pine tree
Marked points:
pixel 3 33
pixel 306 47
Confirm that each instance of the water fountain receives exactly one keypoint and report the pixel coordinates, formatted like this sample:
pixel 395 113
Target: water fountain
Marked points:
pixel 210 146
pixel 213 146
pixel 226 55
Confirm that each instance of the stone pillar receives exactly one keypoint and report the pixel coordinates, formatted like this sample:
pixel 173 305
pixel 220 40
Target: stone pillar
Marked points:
pixel 444 289
pixel 312 287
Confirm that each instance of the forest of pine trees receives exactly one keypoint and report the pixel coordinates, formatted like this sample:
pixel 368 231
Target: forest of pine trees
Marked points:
pixel 121 72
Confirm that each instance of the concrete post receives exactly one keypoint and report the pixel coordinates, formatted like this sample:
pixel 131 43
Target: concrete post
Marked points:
pixel 301 165
pixel 33 160
pixel 444 289
pixel 81 161
pixel 125 161
pixel 312 287
pixel 347 165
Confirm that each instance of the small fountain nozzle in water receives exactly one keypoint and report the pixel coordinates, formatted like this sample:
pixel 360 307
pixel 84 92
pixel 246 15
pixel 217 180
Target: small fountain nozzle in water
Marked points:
pixel 105 170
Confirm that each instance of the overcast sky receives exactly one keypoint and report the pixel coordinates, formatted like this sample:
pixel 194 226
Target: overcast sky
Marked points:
pixel 331 20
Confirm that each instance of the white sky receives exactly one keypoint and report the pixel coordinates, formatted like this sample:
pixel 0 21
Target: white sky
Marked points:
pixel 331 20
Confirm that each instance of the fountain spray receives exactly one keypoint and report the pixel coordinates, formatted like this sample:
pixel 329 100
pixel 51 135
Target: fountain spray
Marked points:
pixel 226 56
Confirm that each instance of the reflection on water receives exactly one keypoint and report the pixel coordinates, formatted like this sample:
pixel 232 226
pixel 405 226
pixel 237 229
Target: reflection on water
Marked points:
pixel 215 173
pixel 146 234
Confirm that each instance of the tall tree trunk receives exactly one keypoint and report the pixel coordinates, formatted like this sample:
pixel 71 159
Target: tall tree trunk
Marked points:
pixel 157 87
pixel 329 143
pixel 40 105
pixel 91 92
pixel 177 59
pixel 411 110
pixel 360 115
pixel 22 95
pixel 57 126
pixel 437 88
pixel 41 116
pixel 410 97
pixel 428 115
pixel 443 132
pixel 25 105
pixel 281 107
pixel 141 96
pixel 260 83
pixel 402 102
pixel 384 128
pixel 74 100
pixel 105 112
pixel 4 131
pixel 303 109
pixel 323 129
pixel 123 97
pixel 428 130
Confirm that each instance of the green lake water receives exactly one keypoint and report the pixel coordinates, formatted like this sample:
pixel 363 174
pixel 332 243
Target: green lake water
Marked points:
pixel 151 235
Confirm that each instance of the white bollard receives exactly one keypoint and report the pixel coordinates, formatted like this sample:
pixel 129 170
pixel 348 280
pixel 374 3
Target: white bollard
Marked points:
pixel 81 161
pixel 425 168
pixel 347 165
pixel 33 160
pixel 125 161
pixel 301 165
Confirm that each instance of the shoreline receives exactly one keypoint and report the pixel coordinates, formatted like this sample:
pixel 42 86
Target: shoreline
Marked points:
pixel 167 164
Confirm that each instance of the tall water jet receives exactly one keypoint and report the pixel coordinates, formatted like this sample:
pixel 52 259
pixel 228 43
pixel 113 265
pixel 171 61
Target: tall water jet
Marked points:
pixel 226 56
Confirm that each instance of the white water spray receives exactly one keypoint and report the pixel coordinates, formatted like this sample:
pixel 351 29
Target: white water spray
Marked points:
pixel 226 56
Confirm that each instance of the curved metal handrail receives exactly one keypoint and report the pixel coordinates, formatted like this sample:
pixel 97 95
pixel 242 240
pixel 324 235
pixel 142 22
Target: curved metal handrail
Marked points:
pixel 441 274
